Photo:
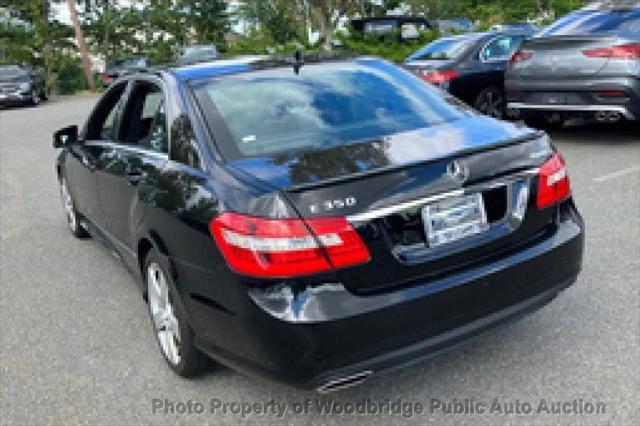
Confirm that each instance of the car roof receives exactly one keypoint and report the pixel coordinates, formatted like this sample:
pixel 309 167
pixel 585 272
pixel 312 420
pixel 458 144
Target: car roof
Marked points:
pixel 480 35
pixel 215 68
pixel 256 62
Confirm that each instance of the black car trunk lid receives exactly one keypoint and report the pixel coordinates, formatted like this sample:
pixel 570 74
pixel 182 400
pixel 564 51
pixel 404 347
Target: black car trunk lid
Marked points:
pixel 382 187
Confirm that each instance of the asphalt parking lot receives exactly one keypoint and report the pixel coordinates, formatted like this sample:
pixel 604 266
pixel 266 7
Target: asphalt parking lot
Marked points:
pixel 76 346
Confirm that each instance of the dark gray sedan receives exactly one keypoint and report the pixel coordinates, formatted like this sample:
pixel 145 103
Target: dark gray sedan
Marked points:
pixel 22 84
pixel 586 64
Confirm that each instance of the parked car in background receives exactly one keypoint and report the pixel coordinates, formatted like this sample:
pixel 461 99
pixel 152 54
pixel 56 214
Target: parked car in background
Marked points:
pixel 317 222
pixel 586 65
pixel 119 67
pixel 455 25
pixel 199 53
pixel 407 27
pixel 22 84
pixel 523 27
pixel 470 67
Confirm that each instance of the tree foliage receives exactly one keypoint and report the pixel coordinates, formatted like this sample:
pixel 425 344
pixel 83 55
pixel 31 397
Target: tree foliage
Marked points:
pixel 157 28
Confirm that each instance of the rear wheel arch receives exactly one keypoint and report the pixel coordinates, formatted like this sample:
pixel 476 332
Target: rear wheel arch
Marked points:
pixel 145 244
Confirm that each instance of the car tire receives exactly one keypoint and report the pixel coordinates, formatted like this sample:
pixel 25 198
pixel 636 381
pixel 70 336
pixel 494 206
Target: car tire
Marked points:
pixel 35 97
pixel 44 95
pixel 74 218
pixel 174 336
pixel 491 102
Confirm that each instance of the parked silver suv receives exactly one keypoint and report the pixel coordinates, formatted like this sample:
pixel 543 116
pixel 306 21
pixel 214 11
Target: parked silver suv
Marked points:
pixel 586 64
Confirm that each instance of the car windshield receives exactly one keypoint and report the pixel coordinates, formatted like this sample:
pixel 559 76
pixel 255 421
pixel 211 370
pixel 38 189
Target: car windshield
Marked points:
pixel 589 22
pixel 273 111
pixel 11 72
pixel 443 50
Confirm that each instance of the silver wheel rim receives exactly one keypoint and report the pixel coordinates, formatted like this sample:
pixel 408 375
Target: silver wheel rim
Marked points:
pixel 164 320
pixel 34 97
pixel 490 103
pixel 67 204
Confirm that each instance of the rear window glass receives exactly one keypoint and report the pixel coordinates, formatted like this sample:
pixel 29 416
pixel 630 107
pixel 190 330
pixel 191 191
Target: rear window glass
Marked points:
pixel 446 49
pixel 589 22
pixel 269 112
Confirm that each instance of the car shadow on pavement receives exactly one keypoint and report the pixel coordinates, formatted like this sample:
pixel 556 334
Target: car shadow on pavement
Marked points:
pixel 586 133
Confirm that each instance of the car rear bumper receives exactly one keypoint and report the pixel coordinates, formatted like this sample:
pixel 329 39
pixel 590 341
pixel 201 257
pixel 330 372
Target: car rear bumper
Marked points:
pixel 15 98
pixel 579 95
pixel 317 337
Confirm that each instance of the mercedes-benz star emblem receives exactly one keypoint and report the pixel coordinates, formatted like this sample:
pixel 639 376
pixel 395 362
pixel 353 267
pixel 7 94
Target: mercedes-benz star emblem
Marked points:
pixel 458 172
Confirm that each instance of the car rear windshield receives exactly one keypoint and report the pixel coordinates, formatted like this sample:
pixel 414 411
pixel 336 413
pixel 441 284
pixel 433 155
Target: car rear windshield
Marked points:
pixel 273 111
pixel 591 22
pixel 443 50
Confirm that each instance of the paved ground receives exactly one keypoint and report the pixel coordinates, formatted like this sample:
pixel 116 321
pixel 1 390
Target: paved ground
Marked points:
pixel 76 346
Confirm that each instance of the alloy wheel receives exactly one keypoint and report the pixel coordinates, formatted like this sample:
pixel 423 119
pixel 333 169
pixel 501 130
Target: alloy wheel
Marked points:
pixel 491 102
pixel 163 316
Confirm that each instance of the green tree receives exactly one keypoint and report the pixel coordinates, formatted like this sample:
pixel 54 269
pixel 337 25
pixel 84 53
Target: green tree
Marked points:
pixel 327 13
pixel 281 21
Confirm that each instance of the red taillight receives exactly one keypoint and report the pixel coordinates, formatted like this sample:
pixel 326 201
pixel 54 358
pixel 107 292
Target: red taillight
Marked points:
pixel 553 182
pixel 106 78
pixel 624 51
pixel 286 247
pixel 520 56
pixel 612 94
pixel 438 77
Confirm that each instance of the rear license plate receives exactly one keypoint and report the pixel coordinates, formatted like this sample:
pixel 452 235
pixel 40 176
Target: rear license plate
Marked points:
pixel 554 98
pixel 454 219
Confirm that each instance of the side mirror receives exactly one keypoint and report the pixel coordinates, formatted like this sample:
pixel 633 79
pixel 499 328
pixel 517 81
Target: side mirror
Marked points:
pixel 65 136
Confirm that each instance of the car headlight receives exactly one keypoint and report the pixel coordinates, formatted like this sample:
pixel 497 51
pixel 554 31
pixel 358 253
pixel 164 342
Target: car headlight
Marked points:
pixel 25 86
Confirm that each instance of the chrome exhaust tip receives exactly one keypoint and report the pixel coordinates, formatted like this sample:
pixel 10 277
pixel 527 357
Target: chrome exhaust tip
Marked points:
pixel 344 382
pixel 601 116
pixel 613 117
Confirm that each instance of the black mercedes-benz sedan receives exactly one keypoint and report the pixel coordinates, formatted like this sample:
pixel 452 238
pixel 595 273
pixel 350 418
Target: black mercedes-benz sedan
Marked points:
pixel 317 222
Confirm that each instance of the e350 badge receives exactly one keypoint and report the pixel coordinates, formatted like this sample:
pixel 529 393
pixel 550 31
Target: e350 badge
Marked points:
pixel 331 205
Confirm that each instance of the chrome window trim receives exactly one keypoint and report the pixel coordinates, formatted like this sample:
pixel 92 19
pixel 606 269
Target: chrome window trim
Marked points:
pixel 130 148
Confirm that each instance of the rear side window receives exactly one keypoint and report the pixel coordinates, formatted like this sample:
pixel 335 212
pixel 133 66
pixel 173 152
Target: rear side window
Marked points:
pixel 274 111
pixel 501 48
pixel 591 22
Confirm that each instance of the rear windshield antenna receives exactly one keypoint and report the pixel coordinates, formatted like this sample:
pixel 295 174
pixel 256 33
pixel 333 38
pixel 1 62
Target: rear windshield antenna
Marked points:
pixel 298 62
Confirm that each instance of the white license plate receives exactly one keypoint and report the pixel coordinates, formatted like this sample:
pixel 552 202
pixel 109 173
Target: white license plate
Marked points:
pixel 454 219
